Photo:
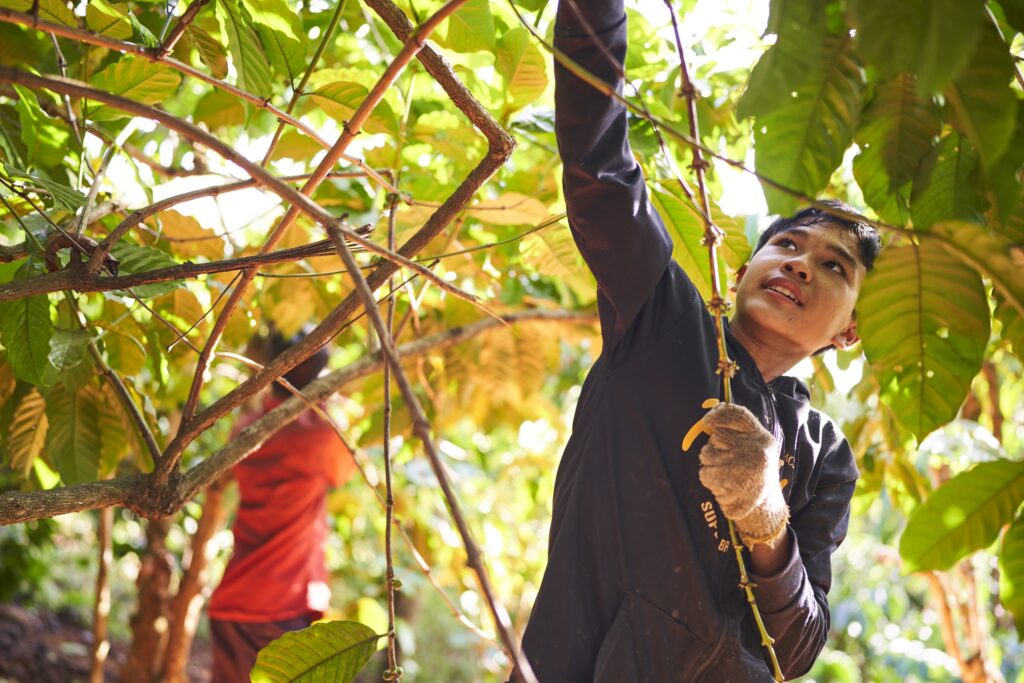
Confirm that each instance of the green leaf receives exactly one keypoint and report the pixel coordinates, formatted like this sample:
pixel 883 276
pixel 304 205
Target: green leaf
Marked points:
pixel 945 187
pixel 329 651
pixel 281 31
pixel 108 19
pixel 902 125
pixel 924 320
pixel 930 38
pixel 891 205
pixel 246 51
pixel 800 29
pixel 1014 11
pixel 135 259
pixel 54 11
pixel 985 107
pixel 67 348
pixel 521 64
pixel 341 99
pixel 63 196
pixel 73 439
pixel 471 28
pixel 991 254
pixel 685 225
pixel 45 141
pixel 218 109
pixel 1011 573
pixel 802 141
pixel 140 33
pixel 211 52
pixel 25 331
pixel 963 515
pixel 1013 325
pixel 27 432
pixel 137 79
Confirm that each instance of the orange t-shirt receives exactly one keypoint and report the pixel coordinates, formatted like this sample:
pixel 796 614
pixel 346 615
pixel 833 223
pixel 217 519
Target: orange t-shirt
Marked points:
pixel 277 570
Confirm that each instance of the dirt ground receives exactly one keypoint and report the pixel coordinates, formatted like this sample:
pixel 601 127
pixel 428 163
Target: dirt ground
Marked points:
pixel 53 647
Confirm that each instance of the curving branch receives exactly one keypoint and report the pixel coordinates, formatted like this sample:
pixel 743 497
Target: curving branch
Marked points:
pixel 134 492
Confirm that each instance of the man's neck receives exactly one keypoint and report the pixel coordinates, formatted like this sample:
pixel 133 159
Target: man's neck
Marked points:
pixel 771 359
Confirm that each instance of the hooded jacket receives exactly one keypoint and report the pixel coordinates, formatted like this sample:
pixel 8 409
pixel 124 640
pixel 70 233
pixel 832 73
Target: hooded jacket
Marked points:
pixel 641 583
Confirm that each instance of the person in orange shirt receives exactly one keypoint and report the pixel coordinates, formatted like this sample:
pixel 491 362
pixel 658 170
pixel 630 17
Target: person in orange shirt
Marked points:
pixel 276 580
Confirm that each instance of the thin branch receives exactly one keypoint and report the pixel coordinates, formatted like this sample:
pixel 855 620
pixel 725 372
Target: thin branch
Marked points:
pixel 62 66
pixel 389 512
pixel 421 426
pixel 30 21
pixel 179 29
pixel 300 89
pixel 133 491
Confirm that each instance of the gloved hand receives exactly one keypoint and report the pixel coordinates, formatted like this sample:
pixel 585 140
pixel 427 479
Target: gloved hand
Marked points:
pixel 740 466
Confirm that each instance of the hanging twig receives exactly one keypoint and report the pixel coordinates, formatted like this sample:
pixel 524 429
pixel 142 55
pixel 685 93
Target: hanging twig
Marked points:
pixel 394 672
pixel 421 427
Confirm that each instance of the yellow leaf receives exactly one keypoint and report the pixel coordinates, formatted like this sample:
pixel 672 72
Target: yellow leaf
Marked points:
pixel 293 304
pixel 27 432
pixel 188 238
pixel 510 208
pixel 108 19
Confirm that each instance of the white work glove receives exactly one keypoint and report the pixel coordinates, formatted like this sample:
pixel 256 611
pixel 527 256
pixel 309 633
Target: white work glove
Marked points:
pixel 740 466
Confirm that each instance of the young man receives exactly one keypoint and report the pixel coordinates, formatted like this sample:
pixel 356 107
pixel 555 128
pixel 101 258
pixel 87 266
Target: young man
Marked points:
pixel 276 580
pixel 642 582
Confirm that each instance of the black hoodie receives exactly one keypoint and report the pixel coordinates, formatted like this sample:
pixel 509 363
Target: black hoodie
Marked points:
pixel 641 582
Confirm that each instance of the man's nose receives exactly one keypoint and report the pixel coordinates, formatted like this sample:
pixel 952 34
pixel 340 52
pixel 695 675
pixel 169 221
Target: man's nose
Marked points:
pixel 798 268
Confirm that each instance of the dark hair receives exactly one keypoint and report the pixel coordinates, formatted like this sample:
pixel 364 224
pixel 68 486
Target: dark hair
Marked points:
pixel 303 373
pixel 832 212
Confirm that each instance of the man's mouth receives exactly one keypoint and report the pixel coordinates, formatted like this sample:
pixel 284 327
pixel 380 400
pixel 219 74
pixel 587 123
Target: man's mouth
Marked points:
pixel 784 291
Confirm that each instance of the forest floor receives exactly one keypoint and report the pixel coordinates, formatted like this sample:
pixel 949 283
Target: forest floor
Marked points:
pixel 53 647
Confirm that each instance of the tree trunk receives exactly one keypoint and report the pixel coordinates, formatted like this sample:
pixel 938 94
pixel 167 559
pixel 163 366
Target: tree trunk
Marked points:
pixel 149 623
pixel 101 606
pixel 188 602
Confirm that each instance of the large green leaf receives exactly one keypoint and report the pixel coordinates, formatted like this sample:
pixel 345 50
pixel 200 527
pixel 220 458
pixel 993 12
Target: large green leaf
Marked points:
pixel 984 104
pixel 55 11
pixel 45 141
pixel 801 142
pixel 27 432
pixel 341 99
pixel 244 45
pixel 991 254
pixel 136 79
pixel 1011 573
pixel 924 320
pixel 108 19
pixel 1013 325
pixel 67 348
pixel 135 259
pixel 891 205
pixel 685 225
pixel 329 651
pixel 945 187
pixel 73 439
pixel 25 331
pixel 280 28
pixel 521 64
pixel 799 26
pixel 471 28
pixel 902 125
pixel 930 38
pixel 963 515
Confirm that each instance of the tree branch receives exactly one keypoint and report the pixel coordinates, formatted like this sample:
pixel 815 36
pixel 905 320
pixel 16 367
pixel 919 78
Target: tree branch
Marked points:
pixel 133 491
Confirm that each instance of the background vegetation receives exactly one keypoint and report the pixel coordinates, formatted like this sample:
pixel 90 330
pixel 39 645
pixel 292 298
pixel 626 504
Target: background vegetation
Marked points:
pixel 119 382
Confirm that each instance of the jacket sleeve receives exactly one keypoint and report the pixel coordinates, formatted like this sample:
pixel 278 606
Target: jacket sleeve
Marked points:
pixel 794 602
pixel 620 236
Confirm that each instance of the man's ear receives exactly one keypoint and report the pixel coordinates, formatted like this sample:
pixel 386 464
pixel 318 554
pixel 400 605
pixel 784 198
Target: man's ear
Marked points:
pixel 848 337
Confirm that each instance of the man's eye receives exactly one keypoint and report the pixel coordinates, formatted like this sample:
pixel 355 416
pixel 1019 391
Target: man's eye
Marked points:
pixel 836 266
pixel 785 242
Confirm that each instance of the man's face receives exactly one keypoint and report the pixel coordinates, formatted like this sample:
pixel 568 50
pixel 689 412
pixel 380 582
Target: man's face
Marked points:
pixel 801 287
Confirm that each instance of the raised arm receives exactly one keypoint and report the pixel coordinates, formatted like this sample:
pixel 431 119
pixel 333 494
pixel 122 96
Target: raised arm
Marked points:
pixel 618 232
